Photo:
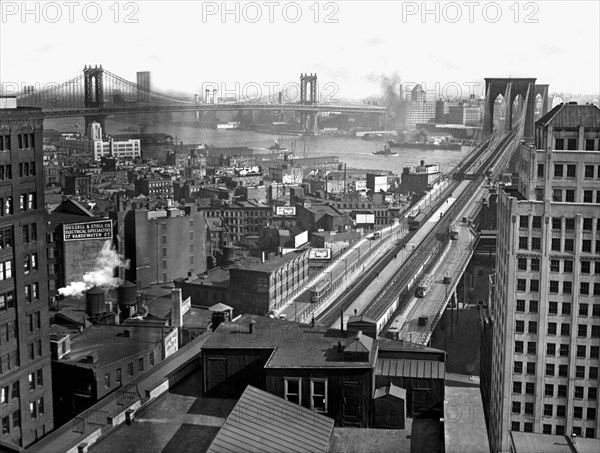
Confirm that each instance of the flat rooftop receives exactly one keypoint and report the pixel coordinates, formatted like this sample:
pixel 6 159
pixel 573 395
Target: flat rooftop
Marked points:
pixel 256 264
pixel 548 443
pixel 465 430
pixel 294 345
pixel 111 344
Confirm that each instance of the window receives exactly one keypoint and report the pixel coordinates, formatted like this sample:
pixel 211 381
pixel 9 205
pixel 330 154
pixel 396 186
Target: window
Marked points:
pixel 515 426
pixel 593 374
pixel 520 326
pixel 588 196
pixel 40 378
pixel 565 329
pixel 5 425
pixel 566 308
pixel 550 369
pixel 521 303
pixel 564 350
pixel 118 376
pixel 591 413
pixel 151 358
pixel 535 264
pixel 531 347
pixel 130 369
pixel 558 168
pixel 589 144
pixel 587 224
pixel 521 284
pixel 581 351
pixel 559 143
pixel 585 267
pixel 107 380
pixel 555 245
pixel 551 328
pixel 570 195
pixel 529 388
pixel 529 408
pixel 522 264
pixel 578 412
pixel 523 243
pixel 141 364
pixel 560 430
pixel 567 287
pixel 532 327
pixel 536 244
pixel 579 392
pixel 292 390
pixel 523 221
pixel 553 307
pixel 517 387
pixel 586 245
pixel 557 222
pixel 516 407
pixel 568 245
pixel 533 304
pixel 547 429
pixel 540 170
pixel 518 367
pixel 551 349
pixel 562 391
pixel 571 169
pixel 549 390
pixel 16 418
pixel 560 410
pixel 563 370
pixel 592 393
pixel 582 330
pixel 530 367
pixel 318 395
pixel 6 270
pixel 518 347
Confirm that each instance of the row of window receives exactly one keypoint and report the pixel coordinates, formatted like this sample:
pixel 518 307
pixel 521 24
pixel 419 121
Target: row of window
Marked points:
pixel 553 308
pixel 36 408
pixel 30 232
pixel 567 287
pixel 569 245
pixel 292 391
pixel 572 144
pixel 10 360
pixel 27 202
pixel 6 237
pixel 130 368
pixel 26 169
pixel 557 222
pixel 9 392
pixel 563 371
pixel 5 172
pixel 7 301
pixel 23 140
pixel 30 262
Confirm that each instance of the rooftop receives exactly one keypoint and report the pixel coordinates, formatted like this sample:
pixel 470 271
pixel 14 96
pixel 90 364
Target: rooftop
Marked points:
pixel 256 264
pixel 262 422
pixel 572 115
pixel 548 443
pixel 112 343
pixel 294 345
pixel 464 421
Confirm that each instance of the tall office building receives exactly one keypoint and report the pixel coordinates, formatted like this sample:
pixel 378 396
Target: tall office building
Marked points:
pixel 546 304
pixel 143 81
pixel 25 379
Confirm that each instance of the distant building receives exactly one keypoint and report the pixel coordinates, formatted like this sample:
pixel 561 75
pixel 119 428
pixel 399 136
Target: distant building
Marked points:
pixel 417 109
pixel 154 187
pixel 78 185
pixel 377 182
pixel 240 218
pixel 94 146
pixel 419 178
pixel 316 216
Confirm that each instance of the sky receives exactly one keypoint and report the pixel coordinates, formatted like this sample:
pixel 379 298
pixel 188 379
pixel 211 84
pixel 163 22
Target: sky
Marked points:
pixel 260 46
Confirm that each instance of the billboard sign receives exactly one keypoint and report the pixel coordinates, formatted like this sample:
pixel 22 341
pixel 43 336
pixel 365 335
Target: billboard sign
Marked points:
pixel 301 239
pixel 186 306
pixel 365 218
pixel 285 210
pixel 171 344
pixel 89 230
pixel 319 254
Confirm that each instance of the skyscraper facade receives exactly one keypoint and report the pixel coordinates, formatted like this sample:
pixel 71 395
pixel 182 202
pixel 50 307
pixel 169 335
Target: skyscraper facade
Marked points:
pixel 25 379
pixel 546 304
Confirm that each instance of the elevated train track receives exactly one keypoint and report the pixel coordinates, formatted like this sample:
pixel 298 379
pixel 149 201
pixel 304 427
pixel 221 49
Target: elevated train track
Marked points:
pixel 466 178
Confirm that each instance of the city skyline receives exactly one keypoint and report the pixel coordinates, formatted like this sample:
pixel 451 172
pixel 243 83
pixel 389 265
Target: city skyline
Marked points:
pixel 187 45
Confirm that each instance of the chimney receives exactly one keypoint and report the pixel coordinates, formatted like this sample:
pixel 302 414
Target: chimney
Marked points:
pixel 422 163
pixel 339 346
pixel 342 321
pixel 176 311
pixel 251 326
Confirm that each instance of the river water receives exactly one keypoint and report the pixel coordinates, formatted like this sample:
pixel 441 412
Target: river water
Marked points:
pixel 354 152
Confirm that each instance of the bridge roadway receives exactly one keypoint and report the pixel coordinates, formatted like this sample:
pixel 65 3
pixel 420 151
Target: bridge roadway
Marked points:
pixel 345 269
pixel 192 107
pixel 451 264
pixel 382 302
pixel 369 294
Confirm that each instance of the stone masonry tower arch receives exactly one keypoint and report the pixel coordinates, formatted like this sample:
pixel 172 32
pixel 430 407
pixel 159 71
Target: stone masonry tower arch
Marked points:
pixel 509 88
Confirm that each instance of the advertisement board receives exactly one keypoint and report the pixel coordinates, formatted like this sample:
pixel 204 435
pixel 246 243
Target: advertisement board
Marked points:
pixel 365 218
pixel 301 239
pixel 285 210
pixel 88 230
pixel 82 245
pixel 171 343
pixel 360 185
pixel 186 306
pixel 319 254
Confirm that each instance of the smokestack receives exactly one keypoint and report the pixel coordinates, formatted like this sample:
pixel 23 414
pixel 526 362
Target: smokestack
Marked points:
pixel 176 309
pixel 251 326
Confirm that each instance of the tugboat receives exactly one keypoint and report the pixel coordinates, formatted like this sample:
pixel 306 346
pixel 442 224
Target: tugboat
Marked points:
pixel 386 151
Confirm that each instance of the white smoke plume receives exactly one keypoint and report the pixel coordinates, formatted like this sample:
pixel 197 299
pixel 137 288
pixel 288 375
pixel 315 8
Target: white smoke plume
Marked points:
pixel 102 275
